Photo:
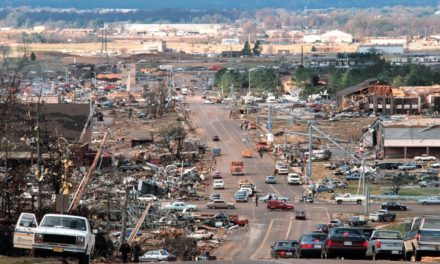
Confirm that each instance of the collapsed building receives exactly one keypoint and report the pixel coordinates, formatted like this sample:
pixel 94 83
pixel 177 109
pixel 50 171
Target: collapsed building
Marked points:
pixel 374 96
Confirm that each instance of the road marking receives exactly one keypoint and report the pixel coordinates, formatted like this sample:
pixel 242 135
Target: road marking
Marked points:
pixel 328 215
pixel 275 190
pixel 307 210
pixel 290 226
pixel 264 240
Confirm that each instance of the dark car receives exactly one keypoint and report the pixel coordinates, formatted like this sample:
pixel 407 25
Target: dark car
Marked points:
pixel 311 244
pixel 300 215
pixel 322 228
pixel 342 241
pixel 394 206
pixel 284 249
pixel 324 188
pixel 215 138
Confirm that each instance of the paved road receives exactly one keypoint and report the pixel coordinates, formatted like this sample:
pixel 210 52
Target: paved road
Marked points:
pixel 266 226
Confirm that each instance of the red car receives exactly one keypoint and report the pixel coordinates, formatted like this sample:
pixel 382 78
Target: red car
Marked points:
pixel 277 204
pixel 240 221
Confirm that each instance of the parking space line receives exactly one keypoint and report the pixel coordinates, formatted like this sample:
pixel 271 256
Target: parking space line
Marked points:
pixel 290 226
pixel 269 229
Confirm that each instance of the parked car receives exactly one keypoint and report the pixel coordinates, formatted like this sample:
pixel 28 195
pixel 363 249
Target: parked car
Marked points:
pixel 343 241
pixel 386 244
pixel 216 175
pixel 394 206
pixel 270 180
pixel 275 204
pixel 424 184
pixel 284 249
pixel 430 200
pixel 220 204
pixel 425 158
pixel 409 166
pixel 353 176
pixel 215 196
pixel 435 165
pixel 325 188
pixel 293 178
pixel 357 221
pixel 147 198
pixel 348 197
pixel 215 138
pixel 382 215
pixel 273 196
pixel 423 239
pixel 180 206
pixel 157 255
pixel 301 215
pixel 218 184
pixel 201 234
pixel 241 196
pixel 310 244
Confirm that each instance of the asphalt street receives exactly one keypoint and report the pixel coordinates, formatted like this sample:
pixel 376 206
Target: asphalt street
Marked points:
pixel 266 226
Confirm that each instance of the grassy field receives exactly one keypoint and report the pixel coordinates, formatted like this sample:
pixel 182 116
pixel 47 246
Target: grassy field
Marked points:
pixel 377 189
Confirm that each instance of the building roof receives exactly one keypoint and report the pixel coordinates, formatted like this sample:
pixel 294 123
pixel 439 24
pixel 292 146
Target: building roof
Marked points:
pixel 413 122
pixel 358 87
pixel 412 133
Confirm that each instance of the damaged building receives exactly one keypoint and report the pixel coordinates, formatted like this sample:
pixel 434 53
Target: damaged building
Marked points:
pixel 409 138
pixel 374 96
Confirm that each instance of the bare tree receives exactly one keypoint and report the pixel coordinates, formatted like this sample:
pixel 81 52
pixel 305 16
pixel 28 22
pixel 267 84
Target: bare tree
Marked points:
pixel 173 138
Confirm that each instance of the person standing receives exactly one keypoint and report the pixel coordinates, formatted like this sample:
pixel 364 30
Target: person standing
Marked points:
pixel 256 200
pixel 136 252
pixel 125 250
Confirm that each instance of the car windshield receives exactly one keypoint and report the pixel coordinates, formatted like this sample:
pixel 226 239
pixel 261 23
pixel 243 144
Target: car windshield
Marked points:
pixel 345 232
pixel 313 237
pixel 64 222
pixel 286 243
pixel 387 235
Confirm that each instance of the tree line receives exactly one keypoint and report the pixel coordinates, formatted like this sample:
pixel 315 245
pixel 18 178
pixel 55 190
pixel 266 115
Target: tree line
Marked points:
pixel 333 79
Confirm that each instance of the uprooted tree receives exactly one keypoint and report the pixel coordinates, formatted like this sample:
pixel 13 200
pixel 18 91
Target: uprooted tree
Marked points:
pixel 173 138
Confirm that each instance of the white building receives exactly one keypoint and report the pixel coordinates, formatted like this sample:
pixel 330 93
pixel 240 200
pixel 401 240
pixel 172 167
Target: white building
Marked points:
pixel 230 41
pixel 382 49
pixel 311 38
pixel 156 46
pixel 389 41
pixel 336 36
pixel 184 29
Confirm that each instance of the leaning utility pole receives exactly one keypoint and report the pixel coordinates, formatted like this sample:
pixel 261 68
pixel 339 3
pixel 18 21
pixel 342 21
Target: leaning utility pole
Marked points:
pixel 124 218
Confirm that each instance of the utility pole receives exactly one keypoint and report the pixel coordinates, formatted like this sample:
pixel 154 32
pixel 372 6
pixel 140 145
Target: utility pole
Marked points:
pixel 39 171
pixel 309 169
pixel 124 218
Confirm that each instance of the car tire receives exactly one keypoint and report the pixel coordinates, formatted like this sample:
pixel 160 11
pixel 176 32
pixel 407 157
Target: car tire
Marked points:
pixel 417 256
pixel 339 201
pixel 84 258
pixel 359 201
pixel 425 203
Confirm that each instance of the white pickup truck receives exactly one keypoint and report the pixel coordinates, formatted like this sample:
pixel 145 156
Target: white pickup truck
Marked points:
pixel 65 235
pixel 348 197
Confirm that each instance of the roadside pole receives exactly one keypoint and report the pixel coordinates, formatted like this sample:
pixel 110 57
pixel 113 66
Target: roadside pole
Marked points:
pixel 309 159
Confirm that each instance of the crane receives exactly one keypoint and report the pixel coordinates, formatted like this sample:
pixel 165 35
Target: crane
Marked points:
pixel 84 182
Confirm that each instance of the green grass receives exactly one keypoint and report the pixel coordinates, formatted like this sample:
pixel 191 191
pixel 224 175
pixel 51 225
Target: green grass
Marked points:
pixel 377 189
pixel 403 228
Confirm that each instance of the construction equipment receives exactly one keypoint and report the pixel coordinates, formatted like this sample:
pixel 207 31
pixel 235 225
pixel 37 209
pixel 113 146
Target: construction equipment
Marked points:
pixel 83 185
pixel 138 224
